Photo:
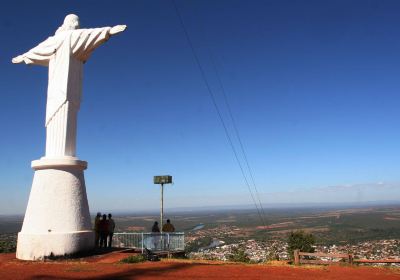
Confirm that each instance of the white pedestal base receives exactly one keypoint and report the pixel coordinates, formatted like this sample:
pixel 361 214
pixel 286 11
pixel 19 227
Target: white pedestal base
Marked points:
pixel 57 220
pixel 39 246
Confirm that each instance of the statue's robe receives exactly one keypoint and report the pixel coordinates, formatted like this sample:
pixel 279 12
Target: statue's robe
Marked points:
pixel 64 55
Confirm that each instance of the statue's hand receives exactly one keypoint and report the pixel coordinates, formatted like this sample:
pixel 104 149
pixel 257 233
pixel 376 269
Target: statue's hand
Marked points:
pixel 117 29
pixel 18 59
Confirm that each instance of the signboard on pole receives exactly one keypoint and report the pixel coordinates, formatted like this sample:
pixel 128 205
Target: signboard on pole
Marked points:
pixel 165 179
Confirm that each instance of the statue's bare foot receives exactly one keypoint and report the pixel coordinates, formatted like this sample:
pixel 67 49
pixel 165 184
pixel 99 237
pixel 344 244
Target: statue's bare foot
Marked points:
pixel 117 29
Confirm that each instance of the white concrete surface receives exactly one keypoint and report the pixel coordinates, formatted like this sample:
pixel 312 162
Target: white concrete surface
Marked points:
pixel 35 246
pixel 57 220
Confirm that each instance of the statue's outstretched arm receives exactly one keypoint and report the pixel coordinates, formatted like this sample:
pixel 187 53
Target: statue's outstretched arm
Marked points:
pixel 40 54
pixel 31 58
pixel 117 29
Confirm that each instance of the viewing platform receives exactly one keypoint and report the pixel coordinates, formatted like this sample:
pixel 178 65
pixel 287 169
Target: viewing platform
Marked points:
pixel 160 243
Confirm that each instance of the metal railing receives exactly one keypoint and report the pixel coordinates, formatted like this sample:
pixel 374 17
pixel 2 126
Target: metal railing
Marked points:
pixel 173 241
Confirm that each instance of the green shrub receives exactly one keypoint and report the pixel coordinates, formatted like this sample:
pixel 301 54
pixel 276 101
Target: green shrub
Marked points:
pixel 300 240
pixel 134 259
pixel 7 247
pixel 239 255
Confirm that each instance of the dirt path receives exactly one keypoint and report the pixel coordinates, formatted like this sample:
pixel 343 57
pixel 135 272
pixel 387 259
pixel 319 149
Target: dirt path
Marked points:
pixel 106 267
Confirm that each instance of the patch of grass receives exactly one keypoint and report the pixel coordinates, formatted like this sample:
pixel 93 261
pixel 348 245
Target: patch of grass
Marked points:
pixel 277 263
pixel 133 259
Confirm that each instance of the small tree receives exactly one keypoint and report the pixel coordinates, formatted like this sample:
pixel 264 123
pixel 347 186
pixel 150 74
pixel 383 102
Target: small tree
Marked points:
pixel 239 255
pixel 300 240
pixel 273 253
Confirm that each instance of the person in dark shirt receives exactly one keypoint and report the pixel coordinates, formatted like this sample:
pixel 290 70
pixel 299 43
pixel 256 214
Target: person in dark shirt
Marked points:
pixel 103 230
pixel 155 227
pixel 111 227
pixel 156 235
pixel 96 228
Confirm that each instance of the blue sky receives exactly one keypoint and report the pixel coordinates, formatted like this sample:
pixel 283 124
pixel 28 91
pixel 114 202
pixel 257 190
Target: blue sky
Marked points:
pixel 313 86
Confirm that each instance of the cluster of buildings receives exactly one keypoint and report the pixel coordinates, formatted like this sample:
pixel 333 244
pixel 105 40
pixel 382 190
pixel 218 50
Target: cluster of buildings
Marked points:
pixel 261 251
pixel 220 232
pixel 371 250
pixel 256 251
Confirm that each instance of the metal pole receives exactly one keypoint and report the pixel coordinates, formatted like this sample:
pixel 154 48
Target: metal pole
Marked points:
pixel 142 242
pixel 162 206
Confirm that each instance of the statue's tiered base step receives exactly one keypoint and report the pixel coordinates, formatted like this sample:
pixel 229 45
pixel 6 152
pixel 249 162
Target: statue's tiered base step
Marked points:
pixel 57 220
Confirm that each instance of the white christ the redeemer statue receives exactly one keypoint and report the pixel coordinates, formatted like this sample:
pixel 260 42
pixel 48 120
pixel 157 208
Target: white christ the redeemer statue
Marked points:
pixel 64 54
pixel 57 219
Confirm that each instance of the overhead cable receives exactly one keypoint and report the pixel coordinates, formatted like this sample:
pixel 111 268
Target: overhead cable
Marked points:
pixel 218 110
pixel 227 104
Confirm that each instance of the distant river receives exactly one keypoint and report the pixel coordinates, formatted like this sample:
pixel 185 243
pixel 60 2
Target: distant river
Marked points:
pixel 213 244
pixel 199 226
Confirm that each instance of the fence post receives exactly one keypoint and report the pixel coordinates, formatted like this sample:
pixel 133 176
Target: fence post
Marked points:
pixel 350 259
pixel 142 242
pixel 296 257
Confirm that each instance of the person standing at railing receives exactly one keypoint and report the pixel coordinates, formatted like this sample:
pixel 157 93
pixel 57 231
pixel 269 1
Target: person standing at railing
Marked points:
pixel 155 230
pixel 155 227
pixel 111 227
pixel 168 227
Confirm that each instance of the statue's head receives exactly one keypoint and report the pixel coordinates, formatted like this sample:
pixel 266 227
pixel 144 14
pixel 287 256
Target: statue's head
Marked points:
pixel 71 22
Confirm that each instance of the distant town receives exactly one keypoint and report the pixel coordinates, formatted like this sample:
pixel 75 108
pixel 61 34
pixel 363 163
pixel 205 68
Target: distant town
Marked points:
pixel 262 251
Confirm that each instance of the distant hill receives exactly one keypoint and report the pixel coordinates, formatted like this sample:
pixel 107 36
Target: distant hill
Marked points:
pixel 10 223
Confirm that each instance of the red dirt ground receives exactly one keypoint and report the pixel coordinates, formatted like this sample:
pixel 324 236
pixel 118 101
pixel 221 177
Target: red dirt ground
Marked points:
pixel 107 267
